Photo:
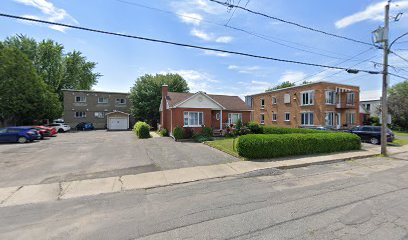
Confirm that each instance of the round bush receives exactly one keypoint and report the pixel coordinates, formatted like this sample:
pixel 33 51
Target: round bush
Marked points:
pixel 178 133
pixel 142 130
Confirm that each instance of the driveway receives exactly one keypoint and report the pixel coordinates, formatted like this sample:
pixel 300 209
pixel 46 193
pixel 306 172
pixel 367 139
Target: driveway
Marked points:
pixel 84 155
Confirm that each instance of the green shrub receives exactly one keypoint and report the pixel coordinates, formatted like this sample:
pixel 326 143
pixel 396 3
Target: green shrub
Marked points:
pixel 238 125
pixel 178 133
pixel 279 145
pixel 283 130
pixel 164 132
pixel 208 132
pixel 142 130
pixel 244 131
pixel 255 127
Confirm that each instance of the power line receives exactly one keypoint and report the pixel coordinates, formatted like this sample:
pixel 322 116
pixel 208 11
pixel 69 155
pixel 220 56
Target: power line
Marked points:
pixel 185 44
pixel 258 35
pixel 401 57
pixel 233 12
pixel 290 22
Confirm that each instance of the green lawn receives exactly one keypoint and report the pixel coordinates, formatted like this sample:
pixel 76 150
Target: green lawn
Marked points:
pixel 225 145
pixel 399 133
pixel 400 142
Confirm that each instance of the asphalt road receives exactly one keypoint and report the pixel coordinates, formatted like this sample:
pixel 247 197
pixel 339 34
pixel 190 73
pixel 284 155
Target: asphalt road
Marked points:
pixel 361 199
pixel 97 154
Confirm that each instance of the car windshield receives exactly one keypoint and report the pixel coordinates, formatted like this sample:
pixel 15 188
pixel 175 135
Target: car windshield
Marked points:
pixel 3 130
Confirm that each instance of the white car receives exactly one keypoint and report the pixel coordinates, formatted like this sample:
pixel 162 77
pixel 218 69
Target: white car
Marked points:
pixel 60 127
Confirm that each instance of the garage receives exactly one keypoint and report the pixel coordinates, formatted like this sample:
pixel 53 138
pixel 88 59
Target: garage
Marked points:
pixel 117 121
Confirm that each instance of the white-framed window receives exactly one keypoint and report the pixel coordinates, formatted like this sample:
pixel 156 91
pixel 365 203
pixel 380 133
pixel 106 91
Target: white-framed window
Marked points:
pixel 233 117
pixel 274 117
pixel 350 98
pixel 330 97
pixel 80 99
pixel 367 106
pixel 193 119
pixel 262 118
pixel 286 98
pixel 262 103
pixel 99 115
pixel 307 98
pixel 351 118
pixel 217 116
pixel 274 101
pixel 103 100
pixel 287 116
pixel 80 115
pixel 307 118
pixel 120 101
pixel 329 118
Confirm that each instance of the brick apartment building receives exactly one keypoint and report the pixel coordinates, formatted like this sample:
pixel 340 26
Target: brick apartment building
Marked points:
pixel 104 109
pixel 324 104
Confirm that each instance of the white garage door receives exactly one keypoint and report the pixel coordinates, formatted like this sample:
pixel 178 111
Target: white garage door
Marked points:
pixel 118 123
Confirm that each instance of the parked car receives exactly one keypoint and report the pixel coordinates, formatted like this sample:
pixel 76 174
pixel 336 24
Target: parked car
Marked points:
pixel 60 127
pixel 19 134
pixel 372 134
pixel 59 120
pixel 83 126
pixel 46 131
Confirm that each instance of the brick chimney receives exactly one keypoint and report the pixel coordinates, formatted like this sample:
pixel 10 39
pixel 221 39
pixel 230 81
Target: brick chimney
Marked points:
pixel 163 120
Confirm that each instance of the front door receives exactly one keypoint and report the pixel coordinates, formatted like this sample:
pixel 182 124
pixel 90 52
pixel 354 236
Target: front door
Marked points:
pixel 338 120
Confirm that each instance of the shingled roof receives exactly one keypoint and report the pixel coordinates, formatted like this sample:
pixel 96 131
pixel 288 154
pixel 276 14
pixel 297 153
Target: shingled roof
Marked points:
pixel 233 103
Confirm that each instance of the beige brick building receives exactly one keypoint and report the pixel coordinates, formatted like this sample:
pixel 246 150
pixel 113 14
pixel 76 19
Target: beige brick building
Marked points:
pixel 310 105
pixel 103 109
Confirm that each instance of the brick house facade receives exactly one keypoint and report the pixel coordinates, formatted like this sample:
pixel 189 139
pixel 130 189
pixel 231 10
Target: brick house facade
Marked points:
pixel 96 107
pixel 197 110
pixel 324 104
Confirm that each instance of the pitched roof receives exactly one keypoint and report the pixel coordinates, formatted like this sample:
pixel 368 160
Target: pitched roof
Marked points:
pixel 228 102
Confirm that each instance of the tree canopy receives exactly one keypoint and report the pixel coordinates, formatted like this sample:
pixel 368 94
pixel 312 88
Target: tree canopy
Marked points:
pixel 145 95
pixel 285 84
pixel 398 105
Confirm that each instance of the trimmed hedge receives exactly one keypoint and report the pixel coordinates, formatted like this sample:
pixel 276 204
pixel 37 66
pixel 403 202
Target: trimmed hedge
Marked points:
pixel 274 145
pixel 142 130
pixel 282 130
pixel 178 133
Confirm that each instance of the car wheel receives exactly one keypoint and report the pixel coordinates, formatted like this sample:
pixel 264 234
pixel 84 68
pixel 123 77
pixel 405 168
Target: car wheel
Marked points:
pixel 22 140
pixel 375 141
pixel 60 130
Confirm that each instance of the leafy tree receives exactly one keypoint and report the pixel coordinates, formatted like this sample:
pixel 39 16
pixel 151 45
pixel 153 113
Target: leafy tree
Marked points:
pixel 24 97
pixel 145 95
pixel 398 102
pixel 282 85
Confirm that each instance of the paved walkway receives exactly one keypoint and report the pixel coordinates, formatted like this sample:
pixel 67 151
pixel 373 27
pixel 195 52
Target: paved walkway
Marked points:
pixel 19 195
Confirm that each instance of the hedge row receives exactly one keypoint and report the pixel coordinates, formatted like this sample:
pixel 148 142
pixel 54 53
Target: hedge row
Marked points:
pixel 273 145
pixel 281 130
pixel 142 130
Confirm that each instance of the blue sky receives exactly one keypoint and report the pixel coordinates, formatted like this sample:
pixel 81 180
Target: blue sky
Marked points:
pixel 200 22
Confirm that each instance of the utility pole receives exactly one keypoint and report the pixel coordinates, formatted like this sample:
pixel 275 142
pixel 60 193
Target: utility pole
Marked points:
pixel 384 108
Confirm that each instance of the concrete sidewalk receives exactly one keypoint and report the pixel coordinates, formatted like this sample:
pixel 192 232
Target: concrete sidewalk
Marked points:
pixel 30 194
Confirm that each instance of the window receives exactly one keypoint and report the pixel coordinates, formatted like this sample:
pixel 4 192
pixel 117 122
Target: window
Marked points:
pixel 350 118
pixel 80 99
pixel 329 118
pixel 274 101
pixel 80 114
pixel 330 97
pixel 99 114
pixel 367 106
pixel 103 100
pixel 350 98
pixel 193 119
pixel 262 103
pixel 262 117
pixel 286 98
pixel 274 117
pixel 307 98
pixel 287 117
pixel 120 101
pixel 307 118
pixel 233 117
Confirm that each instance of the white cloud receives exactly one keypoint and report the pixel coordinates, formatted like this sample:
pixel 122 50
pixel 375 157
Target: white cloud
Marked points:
pixel 374 12
pixel 201 34
pixel 292 76
pixel 224 39
pixel 219 54
pixel 52 13
pixel 199 5
pixel 244 69
pixel 190 18
pixel 197 80
pixel 370 95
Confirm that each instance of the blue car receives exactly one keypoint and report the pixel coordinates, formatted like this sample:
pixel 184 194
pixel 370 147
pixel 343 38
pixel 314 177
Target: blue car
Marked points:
pixel 18 134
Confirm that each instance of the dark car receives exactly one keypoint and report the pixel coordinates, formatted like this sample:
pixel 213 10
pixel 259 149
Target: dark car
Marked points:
pixel 84 126
pixel 18 134
pixel 372 134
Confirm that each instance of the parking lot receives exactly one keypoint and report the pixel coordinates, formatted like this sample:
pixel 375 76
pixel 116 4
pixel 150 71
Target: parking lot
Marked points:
pixel 84 155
